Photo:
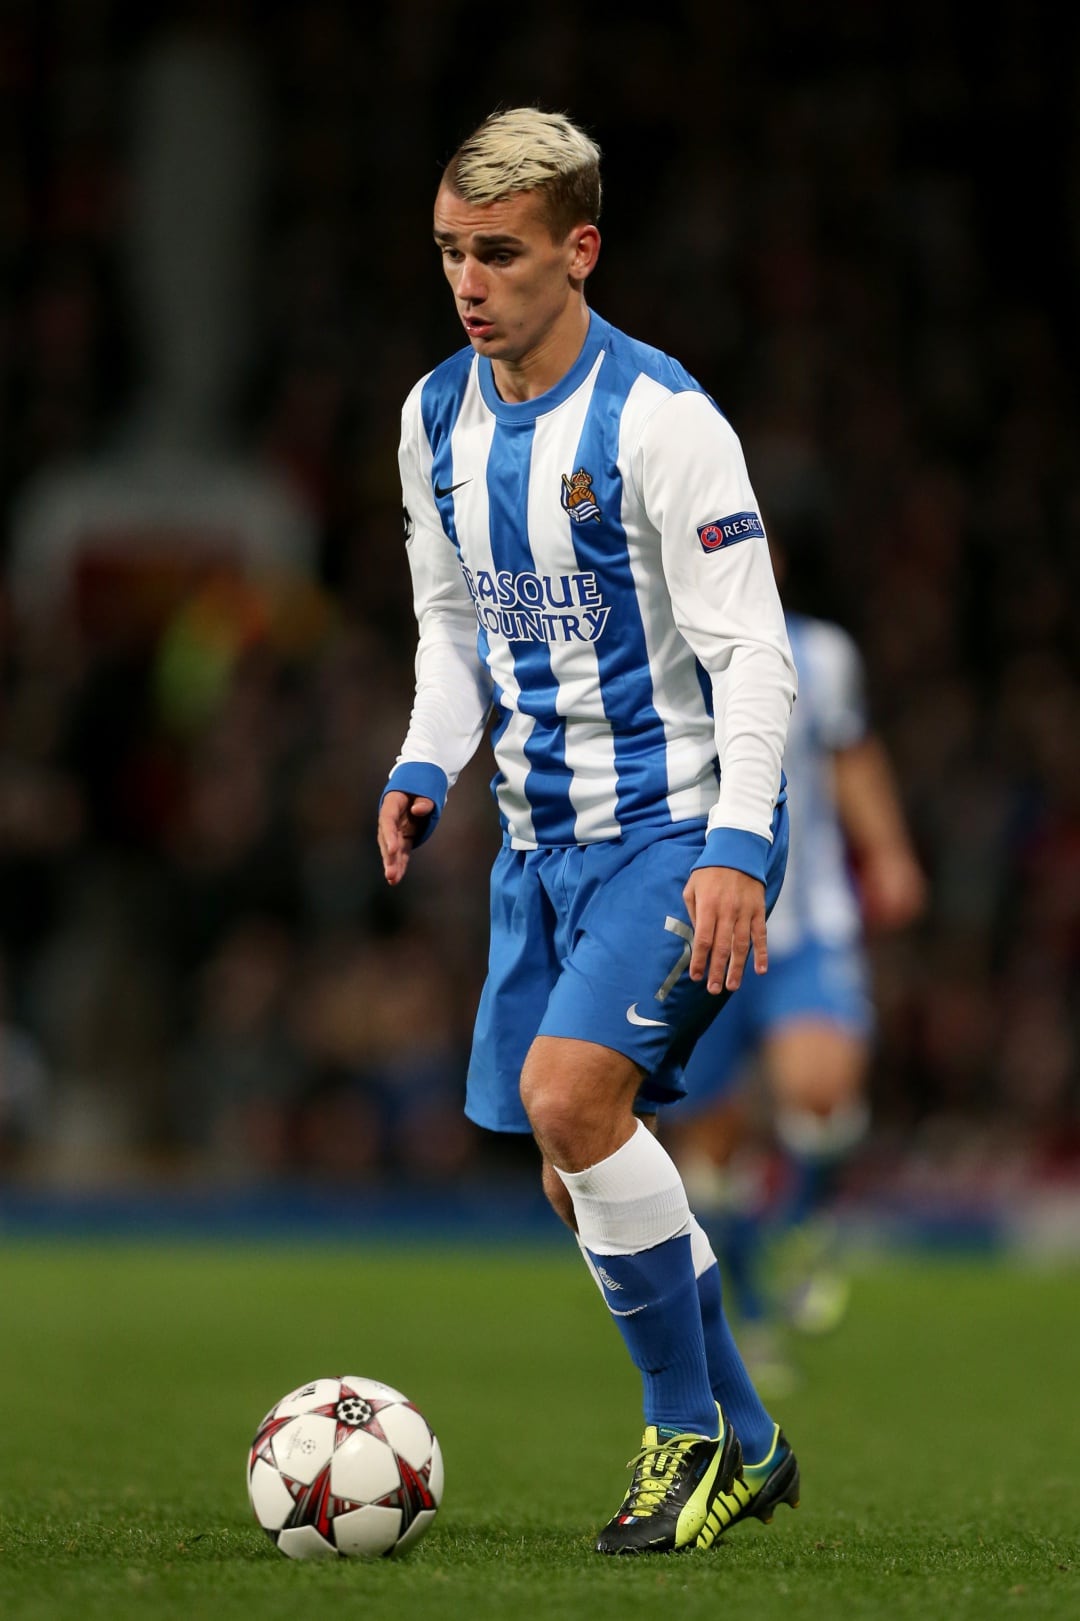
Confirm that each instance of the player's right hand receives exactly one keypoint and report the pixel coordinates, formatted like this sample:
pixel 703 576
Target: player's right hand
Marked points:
pixel 401 821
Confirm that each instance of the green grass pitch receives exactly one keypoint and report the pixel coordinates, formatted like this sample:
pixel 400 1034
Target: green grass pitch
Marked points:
pixel 938 1433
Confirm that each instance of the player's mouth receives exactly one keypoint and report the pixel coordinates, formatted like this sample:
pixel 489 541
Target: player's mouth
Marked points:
pixel 477 327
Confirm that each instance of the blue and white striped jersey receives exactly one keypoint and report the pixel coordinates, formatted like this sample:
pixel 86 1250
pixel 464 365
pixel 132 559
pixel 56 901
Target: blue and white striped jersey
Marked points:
pixel 592 566
pixel 819 900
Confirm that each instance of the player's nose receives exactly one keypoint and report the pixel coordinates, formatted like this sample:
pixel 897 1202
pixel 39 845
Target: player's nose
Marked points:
pixel 471 283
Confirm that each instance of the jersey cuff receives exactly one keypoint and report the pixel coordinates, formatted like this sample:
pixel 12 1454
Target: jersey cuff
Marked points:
pixel 735 847
pixel 416 778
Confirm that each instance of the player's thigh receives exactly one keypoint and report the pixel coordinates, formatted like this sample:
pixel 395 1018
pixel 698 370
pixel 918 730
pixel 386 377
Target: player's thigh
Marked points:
pixel 523 965
pixel 624 983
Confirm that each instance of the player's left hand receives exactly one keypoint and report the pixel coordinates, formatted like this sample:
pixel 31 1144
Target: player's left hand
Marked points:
pixel 727 909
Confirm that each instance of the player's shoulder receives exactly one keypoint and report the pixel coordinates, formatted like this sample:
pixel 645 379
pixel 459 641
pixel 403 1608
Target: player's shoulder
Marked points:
pixel 454 369
pixel 432 405
pixel 449 377
pixel 667 409
pixel 640 359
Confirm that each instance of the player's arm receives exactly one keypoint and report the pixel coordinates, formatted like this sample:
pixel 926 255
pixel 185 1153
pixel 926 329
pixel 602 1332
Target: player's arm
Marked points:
pixel 453 693
pixel 891 881
pixel 693 481
pixel 866 794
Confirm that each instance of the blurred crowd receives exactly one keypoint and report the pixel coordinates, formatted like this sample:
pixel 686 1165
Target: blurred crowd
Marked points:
pixel 858 230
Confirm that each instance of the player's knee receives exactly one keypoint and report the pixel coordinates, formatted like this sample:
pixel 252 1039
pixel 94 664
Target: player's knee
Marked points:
pixel 553 1112
pixel 579 1098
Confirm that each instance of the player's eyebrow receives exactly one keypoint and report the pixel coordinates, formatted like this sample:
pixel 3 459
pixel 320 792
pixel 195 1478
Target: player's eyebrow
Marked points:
pixel 499 240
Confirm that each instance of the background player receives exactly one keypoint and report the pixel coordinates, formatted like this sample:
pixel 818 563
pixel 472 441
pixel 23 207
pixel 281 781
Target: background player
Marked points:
pixel 584 543
pixel 808 1025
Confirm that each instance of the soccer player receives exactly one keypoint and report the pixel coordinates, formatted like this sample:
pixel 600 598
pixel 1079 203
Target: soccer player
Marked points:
pixel 851 868
pixel 591 575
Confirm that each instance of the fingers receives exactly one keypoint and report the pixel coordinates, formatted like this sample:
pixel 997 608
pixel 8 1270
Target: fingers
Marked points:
pixel 730 949
pixel 401 817
pixel 737 951
pixel 759 944
pixel 727 909
pixel 392 847
pixel 701 956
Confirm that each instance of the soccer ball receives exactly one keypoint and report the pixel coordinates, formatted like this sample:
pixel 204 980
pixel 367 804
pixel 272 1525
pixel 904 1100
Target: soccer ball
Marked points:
pixel 344 1466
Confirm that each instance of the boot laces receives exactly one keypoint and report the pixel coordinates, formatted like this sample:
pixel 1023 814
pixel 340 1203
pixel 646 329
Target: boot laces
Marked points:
pixel 656 1472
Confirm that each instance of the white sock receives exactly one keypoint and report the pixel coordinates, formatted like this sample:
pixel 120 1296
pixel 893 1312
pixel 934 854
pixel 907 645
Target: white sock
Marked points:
pixel 631 1201
pixel 823 1137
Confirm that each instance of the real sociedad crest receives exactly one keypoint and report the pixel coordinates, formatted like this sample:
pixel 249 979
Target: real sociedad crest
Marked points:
pixel 577 497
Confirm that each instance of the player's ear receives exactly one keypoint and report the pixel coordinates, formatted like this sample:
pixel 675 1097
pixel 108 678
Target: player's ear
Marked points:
pixel 585 250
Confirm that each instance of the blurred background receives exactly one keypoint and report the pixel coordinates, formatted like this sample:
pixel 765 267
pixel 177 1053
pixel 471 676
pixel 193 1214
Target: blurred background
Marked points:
pixel 859 228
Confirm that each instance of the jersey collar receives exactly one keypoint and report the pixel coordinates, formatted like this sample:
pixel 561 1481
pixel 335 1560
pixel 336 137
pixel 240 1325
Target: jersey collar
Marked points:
pixel 528 410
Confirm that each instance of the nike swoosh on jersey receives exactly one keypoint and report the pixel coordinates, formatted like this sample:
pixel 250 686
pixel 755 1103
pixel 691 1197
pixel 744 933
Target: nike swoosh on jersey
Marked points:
pixel 448 489
pixel 635 1017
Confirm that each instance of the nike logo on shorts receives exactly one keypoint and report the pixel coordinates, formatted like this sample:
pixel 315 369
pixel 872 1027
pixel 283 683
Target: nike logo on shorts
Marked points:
pixel 635 1017
pixel 631 1313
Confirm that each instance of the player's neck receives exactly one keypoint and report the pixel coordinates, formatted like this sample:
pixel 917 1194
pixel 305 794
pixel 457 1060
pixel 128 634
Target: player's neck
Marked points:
pixel 538 371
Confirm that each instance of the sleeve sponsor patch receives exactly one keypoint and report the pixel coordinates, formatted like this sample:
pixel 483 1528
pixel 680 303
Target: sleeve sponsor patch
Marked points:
pixel 727 531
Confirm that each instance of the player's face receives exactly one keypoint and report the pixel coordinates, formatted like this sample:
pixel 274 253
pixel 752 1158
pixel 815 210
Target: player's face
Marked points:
pixel 518 292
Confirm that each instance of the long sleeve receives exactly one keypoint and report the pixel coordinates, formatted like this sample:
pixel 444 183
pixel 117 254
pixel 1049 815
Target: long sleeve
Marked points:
pixel 693 481
pixel 453 689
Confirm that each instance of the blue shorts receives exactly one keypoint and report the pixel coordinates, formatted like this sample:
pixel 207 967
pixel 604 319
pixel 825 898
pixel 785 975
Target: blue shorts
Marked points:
pixel 816 981
pixel 592 942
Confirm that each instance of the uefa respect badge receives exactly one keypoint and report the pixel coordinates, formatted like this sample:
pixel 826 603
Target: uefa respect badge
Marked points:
pixel 730 530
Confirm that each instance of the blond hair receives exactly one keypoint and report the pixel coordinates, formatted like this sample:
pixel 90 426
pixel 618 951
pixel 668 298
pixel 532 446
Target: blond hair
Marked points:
pixel 525 149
